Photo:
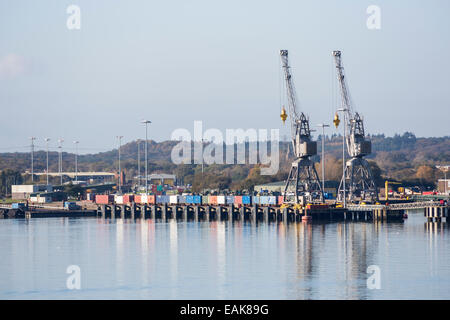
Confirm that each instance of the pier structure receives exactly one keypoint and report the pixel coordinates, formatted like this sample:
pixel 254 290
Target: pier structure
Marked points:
pixel 433 211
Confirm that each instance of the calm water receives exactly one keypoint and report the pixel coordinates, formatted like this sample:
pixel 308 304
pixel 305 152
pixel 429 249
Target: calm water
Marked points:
pixel 217 260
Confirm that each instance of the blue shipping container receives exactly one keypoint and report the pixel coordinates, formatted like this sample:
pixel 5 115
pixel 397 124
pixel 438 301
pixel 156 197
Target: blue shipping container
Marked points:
pixel 246 200
pixel 189 199
pixel 264 200
pixel 272 200
pixel 229 199
pixel 197 199
pixel 256 200
pixel 162 199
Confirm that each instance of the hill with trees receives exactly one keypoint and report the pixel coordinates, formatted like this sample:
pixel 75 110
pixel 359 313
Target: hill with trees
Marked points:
pixel 401 157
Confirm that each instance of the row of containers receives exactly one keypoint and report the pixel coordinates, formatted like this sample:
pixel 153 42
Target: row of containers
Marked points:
pixel 189 199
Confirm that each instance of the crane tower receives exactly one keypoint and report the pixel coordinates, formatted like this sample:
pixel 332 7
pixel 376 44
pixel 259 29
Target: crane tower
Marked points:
pixel 303 183
pixel 357 181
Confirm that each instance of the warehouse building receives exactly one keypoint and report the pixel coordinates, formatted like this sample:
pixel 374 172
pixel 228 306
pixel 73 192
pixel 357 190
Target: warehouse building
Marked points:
pixel 23 191
pixel 162 179
pixel 444 186
pixel 278 187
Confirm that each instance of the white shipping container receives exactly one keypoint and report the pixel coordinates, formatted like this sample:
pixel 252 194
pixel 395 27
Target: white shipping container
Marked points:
pixel 173 199
pixel 44 199
pixel 144 199
pixel 220 199
pixel 118 199
pixel 34 199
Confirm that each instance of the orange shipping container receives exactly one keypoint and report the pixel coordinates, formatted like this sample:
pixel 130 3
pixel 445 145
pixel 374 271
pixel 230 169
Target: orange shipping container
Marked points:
pixel 237 199
pixel 280 200
pixel 212 199
pixel 137 198
pixel 128 198
pixel 104 199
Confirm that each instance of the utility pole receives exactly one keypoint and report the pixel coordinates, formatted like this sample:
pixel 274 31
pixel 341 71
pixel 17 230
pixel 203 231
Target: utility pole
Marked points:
pixel 32 158
pixel 76 160
pixel 202 156
pixel 146 122
pixel 120 172
pixel 344 111
pixel 138 142
pixel 46 144
pixel 323 154
pixel 60 141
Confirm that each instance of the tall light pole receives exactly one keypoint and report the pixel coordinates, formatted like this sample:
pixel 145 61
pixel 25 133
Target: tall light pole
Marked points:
pixel 202 155
pixel 120 172
pixel 146 122
pixel 344 110
pixel 323 154
pixel 32 158
pixel 60 141
pixel 46 144
pixel 76 159
pixel 138 142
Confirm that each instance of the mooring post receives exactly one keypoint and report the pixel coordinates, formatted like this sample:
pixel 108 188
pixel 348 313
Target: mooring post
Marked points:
pixel 253 213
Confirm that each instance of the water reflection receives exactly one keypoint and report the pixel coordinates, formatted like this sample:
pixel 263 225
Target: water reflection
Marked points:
pixel 150 259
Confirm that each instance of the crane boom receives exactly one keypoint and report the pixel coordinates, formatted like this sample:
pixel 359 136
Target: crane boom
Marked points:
pixel 303 181
pixel 357 171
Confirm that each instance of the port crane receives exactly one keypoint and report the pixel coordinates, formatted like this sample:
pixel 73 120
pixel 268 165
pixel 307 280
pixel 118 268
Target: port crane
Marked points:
pixel 357 182
pixel 303 184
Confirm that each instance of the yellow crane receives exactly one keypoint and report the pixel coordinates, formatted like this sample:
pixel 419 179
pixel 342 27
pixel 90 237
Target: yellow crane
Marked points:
pixel 386 187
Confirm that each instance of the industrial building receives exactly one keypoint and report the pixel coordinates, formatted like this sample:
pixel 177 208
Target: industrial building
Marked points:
pixel 444 186
pixel 278 187
pixel 23 191
pixel 162 179
pixel 91 177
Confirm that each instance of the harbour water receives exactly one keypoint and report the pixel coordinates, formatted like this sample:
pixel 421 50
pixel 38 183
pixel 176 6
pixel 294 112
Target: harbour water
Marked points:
pixel 146 259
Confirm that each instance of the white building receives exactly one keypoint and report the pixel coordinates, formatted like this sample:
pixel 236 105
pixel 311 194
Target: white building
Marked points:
pixel 23 191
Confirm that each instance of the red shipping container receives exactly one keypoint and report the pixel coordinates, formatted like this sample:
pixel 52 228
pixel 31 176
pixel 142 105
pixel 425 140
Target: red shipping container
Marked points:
pixel 128 198
pixel 280 200
pixel 237 199
pixel 104 199
pixel 137 198
pixel 212 199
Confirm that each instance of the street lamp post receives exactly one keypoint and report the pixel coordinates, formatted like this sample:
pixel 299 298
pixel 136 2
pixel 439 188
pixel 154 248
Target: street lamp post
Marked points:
pixel 46 144
pixel 344 110
pixel 32 158
pixel 138 142
pixel 323 154
pixel 60 141
pixel 120 172
pixel 76 160
pixel 146 122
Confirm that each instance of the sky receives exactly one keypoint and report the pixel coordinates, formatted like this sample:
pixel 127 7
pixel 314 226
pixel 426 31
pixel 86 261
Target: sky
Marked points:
pixel 174 62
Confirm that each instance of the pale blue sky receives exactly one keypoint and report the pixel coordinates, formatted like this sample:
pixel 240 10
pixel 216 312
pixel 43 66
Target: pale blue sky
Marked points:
pixel 174 62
